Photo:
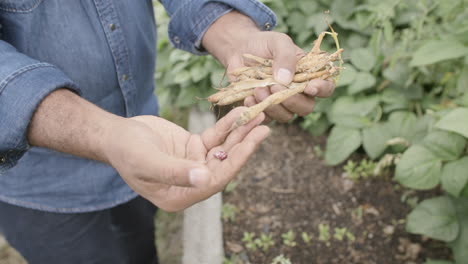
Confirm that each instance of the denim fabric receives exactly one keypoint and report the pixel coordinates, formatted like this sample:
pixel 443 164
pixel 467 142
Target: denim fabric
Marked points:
pixel 104 50
pixel 120 235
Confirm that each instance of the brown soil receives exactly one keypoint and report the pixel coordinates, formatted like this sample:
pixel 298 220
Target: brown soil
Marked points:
pixel 286 186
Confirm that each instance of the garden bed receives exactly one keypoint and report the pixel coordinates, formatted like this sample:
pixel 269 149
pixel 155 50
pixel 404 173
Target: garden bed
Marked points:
pixel 286 186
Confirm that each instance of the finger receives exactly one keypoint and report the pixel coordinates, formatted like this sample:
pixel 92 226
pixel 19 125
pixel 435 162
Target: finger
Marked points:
pixel 320 88
pixel 300 104
pixel 275 112
pixel 166 169
pixel 284 53
pixel 250 101
pixel 236 136
pixel 225 171
pixel 217 134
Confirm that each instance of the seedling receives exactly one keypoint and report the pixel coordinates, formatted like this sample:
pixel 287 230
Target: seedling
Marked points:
pixel 318 151
pixel 340 233
pixel 231 186
pixel 228 212
pixel 288 238
pixel 362 170
pixel 350 236
pixel 317 64
pixel 281 259
pixel 265 241
pixel 324 232
pixel 234 259
pixel 306 238
pixel 249 241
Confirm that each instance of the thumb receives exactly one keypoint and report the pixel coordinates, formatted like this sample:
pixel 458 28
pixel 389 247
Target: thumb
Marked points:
pixel 285 57
pixel 181 172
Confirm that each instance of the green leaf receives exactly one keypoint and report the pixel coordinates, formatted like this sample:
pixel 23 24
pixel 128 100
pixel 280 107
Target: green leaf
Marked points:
pixel 341 143
pixel 460 245
pixel 438 50
pixel 445 145
pixel 462 83
pixel 362 81
pixel 406 125
pixel 363 59
pixel 347 75
pixel 375 139
pixel 435 218
pixel 455 176
pixel 418 168
pixel 182 77
pixel 398 73
pixel 198 72
pixel 455 121
pixel 352 112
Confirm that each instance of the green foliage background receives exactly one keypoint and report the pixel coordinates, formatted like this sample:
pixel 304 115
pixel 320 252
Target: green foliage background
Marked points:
pixel 404 93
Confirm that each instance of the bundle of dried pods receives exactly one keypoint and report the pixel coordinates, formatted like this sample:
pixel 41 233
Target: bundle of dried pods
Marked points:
pixel 316 64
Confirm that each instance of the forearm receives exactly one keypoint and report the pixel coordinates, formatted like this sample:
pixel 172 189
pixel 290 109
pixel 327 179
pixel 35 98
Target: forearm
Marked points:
pixel 67 123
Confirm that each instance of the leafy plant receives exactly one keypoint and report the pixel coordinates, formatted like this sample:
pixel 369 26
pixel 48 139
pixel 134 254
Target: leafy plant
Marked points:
pixel 228 212
pixel 362 170
pixel 249 241
pixel 324 232
pixel 306 237
pixel 289 238
pixel 281 259
pixel 265 241
pixel 231 186
pixel 340 233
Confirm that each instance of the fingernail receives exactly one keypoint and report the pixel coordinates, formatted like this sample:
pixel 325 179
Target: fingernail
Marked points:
pixel 313 91
pixel 198 177
pixel 284 76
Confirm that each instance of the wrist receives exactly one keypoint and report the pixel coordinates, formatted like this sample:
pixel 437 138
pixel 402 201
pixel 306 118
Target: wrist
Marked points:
pixel 224 37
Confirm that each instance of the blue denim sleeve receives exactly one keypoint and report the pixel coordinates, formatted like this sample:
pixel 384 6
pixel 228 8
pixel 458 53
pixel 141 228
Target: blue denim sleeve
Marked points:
pixel 24 82
pixel 191 18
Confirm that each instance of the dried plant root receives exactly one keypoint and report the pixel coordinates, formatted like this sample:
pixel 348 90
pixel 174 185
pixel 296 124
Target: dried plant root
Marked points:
pixel 235 97
pixel 316 64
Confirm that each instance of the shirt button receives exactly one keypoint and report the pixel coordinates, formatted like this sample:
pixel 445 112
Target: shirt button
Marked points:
pixel 2 159
pixel 125 77
pixel 267 26
pixel 112 27
pixel 176 40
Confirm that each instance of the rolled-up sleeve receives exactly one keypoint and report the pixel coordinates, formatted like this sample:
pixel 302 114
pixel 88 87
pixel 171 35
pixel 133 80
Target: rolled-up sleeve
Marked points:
pixel 191 18
pixel 24 82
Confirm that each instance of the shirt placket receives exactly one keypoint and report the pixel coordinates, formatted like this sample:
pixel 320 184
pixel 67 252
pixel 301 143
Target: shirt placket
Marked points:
pixel 118 46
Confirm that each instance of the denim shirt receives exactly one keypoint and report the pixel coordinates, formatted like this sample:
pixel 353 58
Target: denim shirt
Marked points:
pixel 104 50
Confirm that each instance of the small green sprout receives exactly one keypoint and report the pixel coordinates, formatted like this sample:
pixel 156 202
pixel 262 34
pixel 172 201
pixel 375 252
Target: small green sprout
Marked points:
pixel 318 151
pixel 306 237
pixel 249 240
pixel 231 186
pixel 361 170
pixel 228 212
pixel 265 241
pixel 324 232
pixel 288 238
pixel 357 213
pixel 350 236
pixel 281 259
pixel 340 233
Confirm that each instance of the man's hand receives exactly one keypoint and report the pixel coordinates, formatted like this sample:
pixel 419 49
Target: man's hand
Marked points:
pixel 235 34
pixel 175 169
pixel 158 159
